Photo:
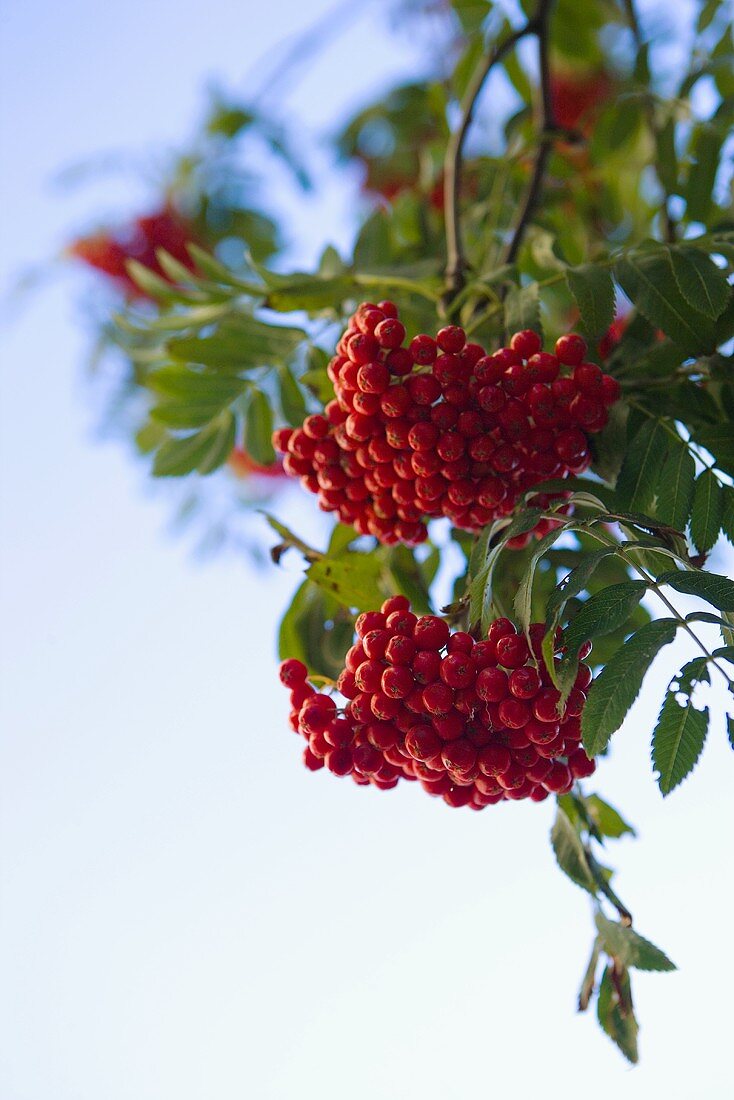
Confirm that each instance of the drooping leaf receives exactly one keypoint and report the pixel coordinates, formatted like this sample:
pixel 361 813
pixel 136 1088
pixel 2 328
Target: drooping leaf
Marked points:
pixel 569 852
pixel 707 143
pixel 204 451
pixel 259 428
pixel 409 578
pixel 354 579
pixel 603 613
pixel 615 1012
pixel 719 441
pixel 727 512
pixel 639 477
pixel 675 492
pixel 593 290
pixel 608 821
pixel 648 281
pixel 617 686
pixel 677 741
pixel 291 399
pixel 576 581
pixel 623 943
pixel 706 512
pixel 238 343
pixel 700 281
pixel 522 308
pixel 712 587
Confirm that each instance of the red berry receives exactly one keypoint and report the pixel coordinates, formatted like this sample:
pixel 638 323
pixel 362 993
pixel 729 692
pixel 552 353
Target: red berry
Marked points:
pixel 397 682
pixel 430 632
pixel 526 343
pixel 451 338
pixel 423 349
pixel 458 670
pixel 492 685
pixel 438 698
pixel 525 683
pixel 390 333
pixel 339 761
pixel 512 651
pixel 571 349
pixel 422 742
pixel 292 672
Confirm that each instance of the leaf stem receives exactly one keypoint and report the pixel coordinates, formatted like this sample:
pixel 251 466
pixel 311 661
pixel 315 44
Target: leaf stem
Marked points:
pixel 598 875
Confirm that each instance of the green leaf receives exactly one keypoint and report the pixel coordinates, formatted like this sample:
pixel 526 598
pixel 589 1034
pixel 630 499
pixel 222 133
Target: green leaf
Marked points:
pixel 667 159
pixel 569 852
pixel 730 729
pixel 153 285
pixel 617 686
pixel 707 511
pixel 712 587
pixel 522 309
pixel 354 579
pixel 707 143
pixel 309 292
pixel 593 290
pixel 675 491
pixel 576 581
pixel 616 1015
pixel 523 602
pixel 409 578
pixel 175 414
pixel 719 441
pixel 623 943
pixel 608 821
pixel 603 613
pixel 291 399
pixel 677 741
pixel 727 513
pixel 188 385
pixel 203 451
pixel 259 429
pixel 238 343
pixel 700 281
pixel 648 281
pixel 639 477
pixel 304 633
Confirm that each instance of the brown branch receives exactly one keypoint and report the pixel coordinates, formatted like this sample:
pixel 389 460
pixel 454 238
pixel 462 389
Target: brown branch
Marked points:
pixel 453 162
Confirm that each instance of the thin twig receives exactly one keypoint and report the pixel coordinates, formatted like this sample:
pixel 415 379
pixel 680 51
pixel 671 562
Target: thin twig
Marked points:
pixel 598 874
pixel 547 132
pixel 453 164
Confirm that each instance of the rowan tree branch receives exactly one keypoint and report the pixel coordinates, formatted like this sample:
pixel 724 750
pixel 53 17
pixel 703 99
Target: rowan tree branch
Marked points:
pixel 453 161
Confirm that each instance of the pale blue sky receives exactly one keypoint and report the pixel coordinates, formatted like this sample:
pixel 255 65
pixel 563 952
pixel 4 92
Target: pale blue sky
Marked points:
pixel 187 912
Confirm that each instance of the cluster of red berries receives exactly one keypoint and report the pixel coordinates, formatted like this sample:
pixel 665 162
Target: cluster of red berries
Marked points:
pixel 474 722
pixel 109 251
pixel 440 428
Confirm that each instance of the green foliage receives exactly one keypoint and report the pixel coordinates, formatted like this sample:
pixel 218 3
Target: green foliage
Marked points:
pixel 627 210
pixel 569 853
pixel 624 944
pixel 593 289
pixel 618 685
pixel 678 739
pixel 615 1012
